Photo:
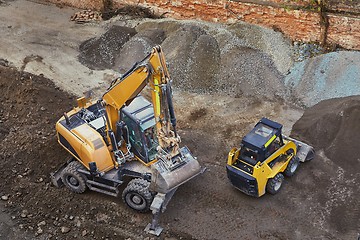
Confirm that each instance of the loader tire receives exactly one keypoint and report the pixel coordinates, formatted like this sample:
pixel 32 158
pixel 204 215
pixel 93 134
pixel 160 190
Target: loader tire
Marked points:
pixel 137 195
pixel 292 167
pixel 274 184
pixel 72 179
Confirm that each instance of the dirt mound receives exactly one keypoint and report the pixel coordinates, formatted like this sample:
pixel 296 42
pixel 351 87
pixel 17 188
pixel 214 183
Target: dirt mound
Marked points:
pixel 333 125
pixel 29 107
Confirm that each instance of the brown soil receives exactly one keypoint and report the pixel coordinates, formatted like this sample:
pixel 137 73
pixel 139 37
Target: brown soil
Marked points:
pixel 312 203
pixel 225 79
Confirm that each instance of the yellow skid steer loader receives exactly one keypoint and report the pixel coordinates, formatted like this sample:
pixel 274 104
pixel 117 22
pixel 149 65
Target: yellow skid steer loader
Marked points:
pixel 264 157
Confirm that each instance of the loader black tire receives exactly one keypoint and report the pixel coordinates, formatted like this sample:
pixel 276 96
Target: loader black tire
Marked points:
pixel 292 167
pixel 72 179
pixel 137 195
pixel 274 184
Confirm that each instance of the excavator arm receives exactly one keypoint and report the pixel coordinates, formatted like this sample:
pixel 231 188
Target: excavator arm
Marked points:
pixel 151 71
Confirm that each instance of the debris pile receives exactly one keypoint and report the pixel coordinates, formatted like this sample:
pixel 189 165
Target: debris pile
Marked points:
pixel 85 16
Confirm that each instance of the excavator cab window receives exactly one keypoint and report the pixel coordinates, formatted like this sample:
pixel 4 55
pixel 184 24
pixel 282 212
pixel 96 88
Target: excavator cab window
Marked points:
pixel 151 142
pixel 144 142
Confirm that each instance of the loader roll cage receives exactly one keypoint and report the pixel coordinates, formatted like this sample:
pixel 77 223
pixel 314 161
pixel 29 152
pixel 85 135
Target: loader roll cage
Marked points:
pixel 262 141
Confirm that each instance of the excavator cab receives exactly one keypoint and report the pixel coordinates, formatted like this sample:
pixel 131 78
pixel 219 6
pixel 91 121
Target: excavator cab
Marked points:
pixel 140 121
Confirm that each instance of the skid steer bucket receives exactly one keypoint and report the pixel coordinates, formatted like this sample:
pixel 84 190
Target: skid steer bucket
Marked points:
pixel 305 152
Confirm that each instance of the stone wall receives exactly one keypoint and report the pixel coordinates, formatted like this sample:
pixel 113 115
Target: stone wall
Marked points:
pixel 334 22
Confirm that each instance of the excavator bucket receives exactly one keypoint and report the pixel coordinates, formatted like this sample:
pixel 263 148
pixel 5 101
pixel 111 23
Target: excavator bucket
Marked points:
pixel 168 175
pixel 305 152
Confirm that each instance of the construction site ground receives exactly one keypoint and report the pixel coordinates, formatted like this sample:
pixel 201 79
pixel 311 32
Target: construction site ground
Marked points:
pixel 41 77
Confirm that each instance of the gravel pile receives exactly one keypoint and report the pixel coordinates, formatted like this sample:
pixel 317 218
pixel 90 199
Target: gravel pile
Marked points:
pixel 326 76
pixel 100 53
pixel 237 60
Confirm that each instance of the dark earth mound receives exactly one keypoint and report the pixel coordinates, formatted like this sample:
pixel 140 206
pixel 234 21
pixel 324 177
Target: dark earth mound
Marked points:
pixel 29 107
pixel 334 126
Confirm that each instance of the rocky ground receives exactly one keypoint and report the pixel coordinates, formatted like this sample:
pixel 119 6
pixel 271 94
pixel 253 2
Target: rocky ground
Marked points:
pixel 226 78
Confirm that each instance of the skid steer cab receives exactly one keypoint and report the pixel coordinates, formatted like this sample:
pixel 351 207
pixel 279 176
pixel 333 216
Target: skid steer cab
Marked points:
pixel 264 157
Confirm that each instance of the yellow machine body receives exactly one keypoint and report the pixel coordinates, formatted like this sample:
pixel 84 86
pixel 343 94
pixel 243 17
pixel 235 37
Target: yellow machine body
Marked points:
pixel 264 156
pixel 262 172
pixel 90 131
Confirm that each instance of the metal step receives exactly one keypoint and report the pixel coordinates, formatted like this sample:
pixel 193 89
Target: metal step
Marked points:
pixel 103 188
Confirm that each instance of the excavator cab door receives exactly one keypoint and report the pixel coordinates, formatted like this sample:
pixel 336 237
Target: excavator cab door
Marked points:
pixel 140 120
pixel 136 137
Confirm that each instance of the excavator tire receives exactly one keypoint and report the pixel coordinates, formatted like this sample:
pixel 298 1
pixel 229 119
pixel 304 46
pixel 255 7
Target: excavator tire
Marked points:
pixel 137 195
pixel 292 167
pixel 72 179
pixel 140 182
pixel 274 184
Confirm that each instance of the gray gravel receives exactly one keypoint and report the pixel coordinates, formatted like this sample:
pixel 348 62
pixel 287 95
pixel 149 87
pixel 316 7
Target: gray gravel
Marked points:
pixel 238 59
pixel 331 75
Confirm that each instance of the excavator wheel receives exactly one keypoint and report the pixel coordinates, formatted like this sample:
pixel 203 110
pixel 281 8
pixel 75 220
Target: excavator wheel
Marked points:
pixel 292 167
pixel 274 184
pixel 140 182
pixel 137 195
pixel 72 179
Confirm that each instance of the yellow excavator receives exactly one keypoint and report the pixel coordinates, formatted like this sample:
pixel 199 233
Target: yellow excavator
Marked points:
pixel 124 138
pixel 264 157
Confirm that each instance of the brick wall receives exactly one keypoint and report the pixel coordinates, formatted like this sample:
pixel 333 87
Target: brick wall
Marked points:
pixel 298 19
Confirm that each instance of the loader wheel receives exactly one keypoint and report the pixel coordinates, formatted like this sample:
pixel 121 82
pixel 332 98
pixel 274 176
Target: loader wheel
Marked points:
pixel 137 195
pixel 292 167
pixel 274 184
pixel 72 179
